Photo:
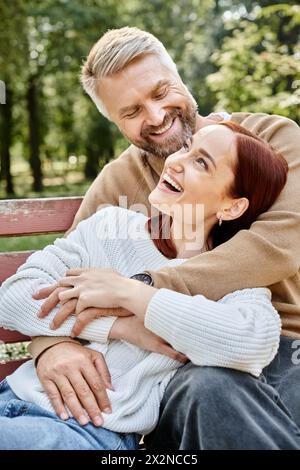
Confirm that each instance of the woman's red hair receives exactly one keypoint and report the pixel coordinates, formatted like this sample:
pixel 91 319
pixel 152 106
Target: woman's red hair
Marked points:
pixel 260 175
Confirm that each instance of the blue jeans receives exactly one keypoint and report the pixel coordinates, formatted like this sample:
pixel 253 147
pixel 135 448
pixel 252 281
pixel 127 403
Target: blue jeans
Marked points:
pixel 218 408
pixel 25 426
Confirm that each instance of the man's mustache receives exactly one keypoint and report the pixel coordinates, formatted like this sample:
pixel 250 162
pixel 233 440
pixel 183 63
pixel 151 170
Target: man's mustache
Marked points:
pixel 168 118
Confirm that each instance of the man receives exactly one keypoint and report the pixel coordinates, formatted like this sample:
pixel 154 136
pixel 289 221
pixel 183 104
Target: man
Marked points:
pixel 134 82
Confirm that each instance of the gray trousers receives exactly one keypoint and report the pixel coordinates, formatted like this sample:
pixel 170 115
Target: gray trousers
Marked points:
pixel 218 408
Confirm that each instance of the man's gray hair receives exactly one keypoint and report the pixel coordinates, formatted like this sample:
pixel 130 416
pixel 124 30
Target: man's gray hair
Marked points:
pixel 113 52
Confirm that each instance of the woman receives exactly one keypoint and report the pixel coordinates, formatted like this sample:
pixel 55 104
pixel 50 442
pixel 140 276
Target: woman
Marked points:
pixel 226 175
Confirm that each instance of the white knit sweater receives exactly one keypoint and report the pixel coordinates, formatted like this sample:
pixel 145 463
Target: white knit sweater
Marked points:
pixel 241 331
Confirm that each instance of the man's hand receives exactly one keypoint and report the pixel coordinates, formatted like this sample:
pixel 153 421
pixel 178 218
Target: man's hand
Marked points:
pixel 77 377
pixel 132 329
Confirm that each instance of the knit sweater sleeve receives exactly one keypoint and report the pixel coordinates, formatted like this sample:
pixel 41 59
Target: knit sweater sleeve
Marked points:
pixel 18 310
pixel 241 331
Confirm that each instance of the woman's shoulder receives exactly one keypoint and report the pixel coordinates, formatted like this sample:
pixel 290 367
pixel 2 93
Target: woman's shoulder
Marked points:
pixel 116 222
pixel 120 212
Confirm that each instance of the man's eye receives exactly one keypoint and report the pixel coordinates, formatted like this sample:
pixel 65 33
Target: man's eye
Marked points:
pixel 133 114
pixel 161 94
pixel 202 162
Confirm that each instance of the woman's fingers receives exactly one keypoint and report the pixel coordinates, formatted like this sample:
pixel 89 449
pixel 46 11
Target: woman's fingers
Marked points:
pixel 44 292
pixel 67 294
pixel 63 313
pixel 76 271
pixel 68 281
pixel 51 302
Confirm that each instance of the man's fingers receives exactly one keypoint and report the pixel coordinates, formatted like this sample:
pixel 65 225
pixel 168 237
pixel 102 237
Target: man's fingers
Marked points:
pixel 63 313
pixel 102 368
pixel 169 351
pixel 83 319
pixel 86 395
pixel 71 400
pixel 97 385
pixel 44 292
pixel 50 303
pixel 56 400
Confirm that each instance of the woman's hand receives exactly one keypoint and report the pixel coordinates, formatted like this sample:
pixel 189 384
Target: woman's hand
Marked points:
pixel 92 287
pixel 91 293
pixel 132 329
pixel 69 307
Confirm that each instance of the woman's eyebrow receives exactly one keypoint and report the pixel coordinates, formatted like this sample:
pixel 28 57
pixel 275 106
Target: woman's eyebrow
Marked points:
pixel 207 155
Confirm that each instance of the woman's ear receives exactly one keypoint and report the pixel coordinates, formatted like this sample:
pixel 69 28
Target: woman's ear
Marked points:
pixel 236 210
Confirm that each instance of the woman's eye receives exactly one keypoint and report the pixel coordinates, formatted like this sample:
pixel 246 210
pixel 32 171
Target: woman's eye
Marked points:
pixel 202 162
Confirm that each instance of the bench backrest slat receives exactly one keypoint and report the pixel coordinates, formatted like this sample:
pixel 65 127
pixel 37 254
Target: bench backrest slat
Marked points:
pixel 12 336
pixel 9 262
pixel 33 216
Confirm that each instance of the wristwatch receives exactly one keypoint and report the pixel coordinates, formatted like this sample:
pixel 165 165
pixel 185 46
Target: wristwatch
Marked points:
pixel 143 277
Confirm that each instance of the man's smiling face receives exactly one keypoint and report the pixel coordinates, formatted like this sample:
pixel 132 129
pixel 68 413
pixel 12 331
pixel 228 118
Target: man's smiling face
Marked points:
pixel 150 105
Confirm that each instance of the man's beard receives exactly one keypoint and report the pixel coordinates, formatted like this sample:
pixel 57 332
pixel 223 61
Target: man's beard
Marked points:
pixel 175 142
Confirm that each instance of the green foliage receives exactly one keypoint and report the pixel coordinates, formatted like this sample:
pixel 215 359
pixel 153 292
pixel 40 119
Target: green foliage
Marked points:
pixel 259 67
pixel 233 55
pixel 13 351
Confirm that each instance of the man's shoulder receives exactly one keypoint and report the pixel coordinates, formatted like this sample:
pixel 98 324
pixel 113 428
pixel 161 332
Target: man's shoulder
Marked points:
pixel 130 153
pixel 280 132
pixel 260 122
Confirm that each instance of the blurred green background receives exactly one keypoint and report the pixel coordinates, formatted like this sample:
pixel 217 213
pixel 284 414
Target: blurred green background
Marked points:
pixel 232 55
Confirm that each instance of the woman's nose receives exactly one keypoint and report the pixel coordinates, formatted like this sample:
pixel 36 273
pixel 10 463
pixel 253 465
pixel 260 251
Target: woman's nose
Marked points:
pixel 175 162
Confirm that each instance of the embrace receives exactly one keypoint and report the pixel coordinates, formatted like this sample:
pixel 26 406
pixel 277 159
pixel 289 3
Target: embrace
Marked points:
pixel 176 317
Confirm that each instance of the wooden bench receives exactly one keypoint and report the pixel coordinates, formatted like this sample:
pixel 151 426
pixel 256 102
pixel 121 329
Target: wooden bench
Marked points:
pixel 20 217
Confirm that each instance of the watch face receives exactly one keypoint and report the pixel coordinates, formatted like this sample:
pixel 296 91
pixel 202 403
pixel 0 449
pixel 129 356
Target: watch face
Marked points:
pixel 143 277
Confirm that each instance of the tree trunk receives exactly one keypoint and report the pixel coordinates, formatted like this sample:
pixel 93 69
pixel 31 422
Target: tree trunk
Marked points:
pixel 6 139
pixel 34 134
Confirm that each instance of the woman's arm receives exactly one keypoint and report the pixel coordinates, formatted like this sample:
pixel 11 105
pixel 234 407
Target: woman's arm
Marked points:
pixel 19 311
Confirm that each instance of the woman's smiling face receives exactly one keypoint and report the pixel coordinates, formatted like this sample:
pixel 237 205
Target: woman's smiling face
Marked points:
pixel 200 173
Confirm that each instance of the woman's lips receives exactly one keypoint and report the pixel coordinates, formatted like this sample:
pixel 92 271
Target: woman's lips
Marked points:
pixel 162 187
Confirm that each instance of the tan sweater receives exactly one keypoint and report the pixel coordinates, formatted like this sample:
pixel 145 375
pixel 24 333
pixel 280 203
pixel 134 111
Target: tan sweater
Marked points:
pixel 266 255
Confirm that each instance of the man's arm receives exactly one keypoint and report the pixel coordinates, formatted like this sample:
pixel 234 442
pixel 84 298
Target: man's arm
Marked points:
pixel 124 176
pixel 267 253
